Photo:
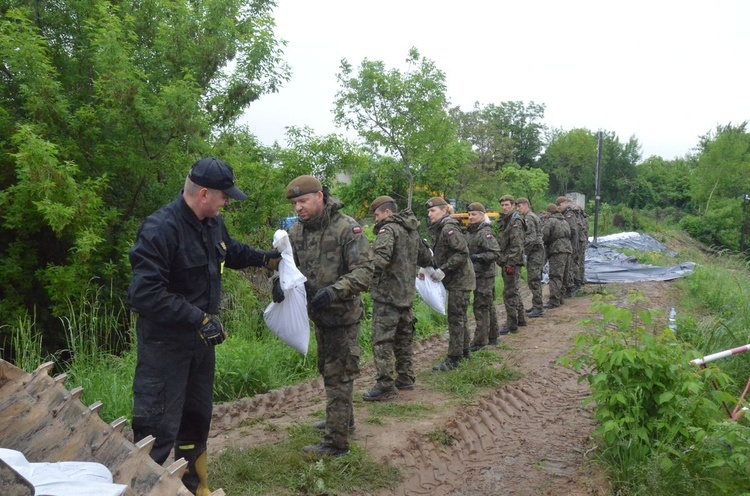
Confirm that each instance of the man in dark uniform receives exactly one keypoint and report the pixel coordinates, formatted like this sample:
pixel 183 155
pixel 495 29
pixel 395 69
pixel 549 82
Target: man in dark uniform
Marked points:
pixel 397 250
pixel 333 253
pixel 534 249
pixel 483 252
pixel 511 239
pixel 179 255
pixel 556 236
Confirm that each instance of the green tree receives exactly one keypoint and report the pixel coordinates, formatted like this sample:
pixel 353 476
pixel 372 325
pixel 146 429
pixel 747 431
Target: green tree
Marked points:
pixel 570 161
pixel 404 115
pixel 102 108
pixel 723 169
pixel 669 181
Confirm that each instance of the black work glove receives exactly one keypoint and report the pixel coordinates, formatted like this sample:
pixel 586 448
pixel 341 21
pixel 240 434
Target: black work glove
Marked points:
pixel 510 270
pixel 322 299
pixel 211 331
pixel 271 260
pixel 277 294
pixel 474 257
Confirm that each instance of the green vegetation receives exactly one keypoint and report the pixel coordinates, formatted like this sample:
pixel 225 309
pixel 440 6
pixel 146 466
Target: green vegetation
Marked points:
pixel 379 412
pixel 254 471
pixel 663 423
pixel 484 370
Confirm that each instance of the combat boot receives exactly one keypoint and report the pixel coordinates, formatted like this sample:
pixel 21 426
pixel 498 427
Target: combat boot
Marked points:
pixel 476 347
pixel 536 312
pixel 324 449
pixel 380 394
pixel 450 363
pixel 404 384
pixel 506 329
pixel 467 354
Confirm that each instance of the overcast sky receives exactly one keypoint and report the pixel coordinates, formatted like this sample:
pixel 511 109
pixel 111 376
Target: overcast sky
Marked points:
pixel 665 72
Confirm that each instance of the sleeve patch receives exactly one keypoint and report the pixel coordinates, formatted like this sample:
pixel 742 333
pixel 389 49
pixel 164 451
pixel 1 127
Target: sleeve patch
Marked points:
pixel 489 236
pixel 357 230
pixel 382 230
pixel 451 232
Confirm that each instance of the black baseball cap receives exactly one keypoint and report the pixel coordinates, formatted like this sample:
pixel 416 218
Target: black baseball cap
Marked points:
pixel 214 174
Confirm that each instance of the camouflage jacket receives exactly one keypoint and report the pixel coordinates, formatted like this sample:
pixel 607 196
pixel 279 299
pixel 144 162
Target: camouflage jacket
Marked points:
pixel 533 235
pixel 583 226
pixel 571 218
pixel 451 254
pixel 331 250
pixel 556 234
pixel 397 251
pixel 511 240
pixel 483 249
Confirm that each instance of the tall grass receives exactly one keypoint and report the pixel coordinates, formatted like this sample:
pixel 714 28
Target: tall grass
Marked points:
pixel 27 343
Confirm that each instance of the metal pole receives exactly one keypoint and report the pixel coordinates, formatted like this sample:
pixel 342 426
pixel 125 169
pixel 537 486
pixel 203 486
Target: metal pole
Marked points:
pixel 744 223
pixel 597 181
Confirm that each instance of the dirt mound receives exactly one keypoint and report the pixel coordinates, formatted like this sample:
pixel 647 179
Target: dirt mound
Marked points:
pixel 528 437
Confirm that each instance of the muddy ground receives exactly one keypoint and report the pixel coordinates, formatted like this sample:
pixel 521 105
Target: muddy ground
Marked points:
pixel 528 437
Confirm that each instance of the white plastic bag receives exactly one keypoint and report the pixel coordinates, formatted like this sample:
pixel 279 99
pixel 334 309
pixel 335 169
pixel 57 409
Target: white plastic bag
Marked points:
pixel 433 293
pixel 288 320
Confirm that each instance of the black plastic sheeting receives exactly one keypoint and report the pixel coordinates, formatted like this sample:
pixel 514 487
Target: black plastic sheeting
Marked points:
pixel 605 264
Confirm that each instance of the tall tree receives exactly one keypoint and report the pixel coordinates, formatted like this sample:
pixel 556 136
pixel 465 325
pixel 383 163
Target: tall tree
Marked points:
pixel 723 164
pixel 102 108
pixel 570 160
pixel 403 114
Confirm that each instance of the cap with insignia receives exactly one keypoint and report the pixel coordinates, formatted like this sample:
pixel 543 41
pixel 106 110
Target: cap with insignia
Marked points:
pixel 507 198
pixel 562 199
pixel 551 208
pixel 475 207
pixel 379 201
pixel 521 200
pixel 303 185
pixel 436 201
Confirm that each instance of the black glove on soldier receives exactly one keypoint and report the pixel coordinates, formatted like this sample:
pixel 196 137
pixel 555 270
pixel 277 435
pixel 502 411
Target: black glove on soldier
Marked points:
pixel 271 260
pixel 277 294
pixel 211 331
pixel 322 299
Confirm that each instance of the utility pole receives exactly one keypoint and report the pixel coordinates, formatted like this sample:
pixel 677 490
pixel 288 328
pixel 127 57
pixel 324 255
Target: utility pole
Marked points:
pixel 744 223
pixel 597 181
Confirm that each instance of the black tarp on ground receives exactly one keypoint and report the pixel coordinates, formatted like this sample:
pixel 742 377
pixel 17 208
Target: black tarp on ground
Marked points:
pixel 604 264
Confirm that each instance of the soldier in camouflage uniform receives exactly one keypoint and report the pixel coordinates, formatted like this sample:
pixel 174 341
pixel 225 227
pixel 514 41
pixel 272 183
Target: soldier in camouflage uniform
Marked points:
pixel 511 240
pixel 451 261
pixel 483 252
pixel 556 236
pixel 565 206
pixel 583 239
pixel 397 250
pixel 534 248
pixel 333 253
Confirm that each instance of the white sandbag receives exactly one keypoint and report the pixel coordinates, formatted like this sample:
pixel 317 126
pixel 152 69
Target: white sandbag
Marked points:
pixel 64 478
pixel 433 293
pixel 288 320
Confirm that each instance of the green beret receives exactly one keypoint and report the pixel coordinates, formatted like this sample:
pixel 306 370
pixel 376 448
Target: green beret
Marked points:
pixel 562 199
pixel 508 198
pixel 521 199
pixel 379 201
pixel 436 201
pixel 551 208
pixel 476 207
pixel 303 185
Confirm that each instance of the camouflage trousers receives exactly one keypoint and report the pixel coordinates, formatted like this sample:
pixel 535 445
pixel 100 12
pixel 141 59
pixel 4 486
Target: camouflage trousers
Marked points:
pixel 571 273
pixel 512 299
pixel 392 338
pixel 458 330
pixel 494 327
pixel 558 264
pixel 580 266
pixel 534 266
pixel 338 363
pixel 484 308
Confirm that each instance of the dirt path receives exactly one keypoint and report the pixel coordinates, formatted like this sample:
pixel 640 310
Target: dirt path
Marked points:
pixel 528 437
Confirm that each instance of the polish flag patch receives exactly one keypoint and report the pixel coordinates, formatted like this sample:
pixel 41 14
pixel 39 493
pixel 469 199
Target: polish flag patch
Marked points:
pixel 489 236
pixel 382 230
pixel 357 230
pixel 451 232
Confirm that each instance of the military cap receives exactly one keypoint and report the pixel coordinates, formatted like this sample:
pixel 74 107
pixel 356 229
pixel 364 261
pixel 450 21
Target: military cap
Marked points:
pixel 212 173
pixel 436 201
pixel 562 199
pixel 551 208
pixel 505 198
pixel 476 207
pixel 379 201
pixel 303 185
pixel 521 199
